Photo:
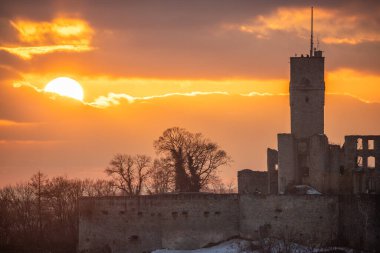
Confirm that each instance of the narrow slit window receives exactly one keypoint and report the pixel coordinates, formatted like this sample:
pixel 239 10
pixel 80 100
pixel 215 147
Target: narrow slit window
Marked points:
pixel 359 162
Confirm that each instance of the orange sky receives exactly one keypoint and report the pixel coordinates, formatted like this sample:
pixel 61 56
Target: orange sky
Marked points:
pixel 216 67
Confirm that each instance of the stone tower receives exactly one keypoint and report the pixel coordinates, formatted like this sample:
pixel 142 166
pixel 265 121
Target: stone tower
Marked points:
pixel 307 95
pixel 303 154
pixel 307 92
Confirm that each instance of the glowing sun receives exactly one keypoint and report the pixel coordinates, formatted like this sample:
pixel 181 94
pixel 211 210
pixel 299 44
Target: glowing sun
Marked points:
pixel 65 86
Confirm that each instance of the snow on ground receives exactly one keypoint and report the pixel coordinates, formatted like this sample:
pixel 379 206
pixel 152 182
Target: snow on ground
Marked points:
pixel 307 190
pixel 232 246
pixel 271 246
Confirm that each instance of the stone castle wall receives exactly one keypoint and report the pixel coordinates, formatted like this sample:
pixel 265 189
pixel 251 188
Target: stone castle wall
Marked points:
pixel 306 219
pixel 250 181
pixel 194 220
pixel 359 221
pixel 144 223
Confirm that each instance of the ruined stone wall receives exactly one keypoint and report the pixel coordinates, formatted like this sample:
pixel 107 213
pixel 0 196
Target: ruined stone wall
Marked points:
pixel 189 221
pixel 336 172
pixel 286 162
pixel 305 219
pixel 358 155
pixel 144 223
pixel 359 221
pixel 318 163
pixel 250 181
pixel 272 168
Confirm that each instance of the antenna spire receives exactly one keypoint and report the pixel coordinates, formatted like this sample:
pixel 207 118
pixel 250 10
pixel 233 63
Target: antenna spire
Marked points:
pixel 311 34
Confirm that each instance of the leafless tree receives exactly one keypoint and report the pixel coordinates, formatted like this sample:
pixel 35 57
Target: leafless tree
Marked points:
pixel 218 186
pixel 203 158
pixel 172 144
pixel 98 188
pixel 162 178
pixel 129 173
pixel 38 183
pixel 41 215
pixel 196 159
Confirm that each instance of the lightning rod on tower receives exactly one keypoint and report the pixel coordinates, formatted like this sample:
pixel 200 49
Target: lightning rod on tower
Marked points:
pixel 311 34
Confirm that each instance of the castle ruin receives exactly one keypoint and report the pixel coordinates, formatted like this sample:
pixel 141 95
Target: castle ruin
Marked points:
pixel 305 156
pixel 344 212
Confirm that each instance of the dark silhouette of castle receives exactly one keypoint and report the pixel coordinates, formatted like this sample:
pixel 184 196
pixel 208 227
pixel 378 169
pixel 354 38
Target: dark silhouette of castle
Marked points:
pixel 305 157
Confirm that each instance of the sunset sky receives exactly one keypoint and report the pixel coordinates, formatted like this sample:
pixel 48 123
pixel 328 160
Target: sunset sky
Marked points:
pixel 216 67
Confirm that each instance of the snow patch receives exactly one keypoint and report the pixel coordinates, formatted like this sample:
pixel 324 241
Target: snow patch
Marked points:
pixel 307 190
pixel 266 245
pixel 232 246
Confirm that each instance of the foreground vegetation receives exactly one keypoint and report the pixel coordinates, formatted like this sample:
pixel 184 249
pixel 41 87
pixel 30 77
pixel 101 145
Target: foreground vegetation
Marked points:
pixel 41 215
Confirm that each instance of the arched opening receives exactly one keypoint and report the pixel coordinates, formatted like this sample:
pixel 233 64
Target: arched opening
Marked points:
pixel 359 144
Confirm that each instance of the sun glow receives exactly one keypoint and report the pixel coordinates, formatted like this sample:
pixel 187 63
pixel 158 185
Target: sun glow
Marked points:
pixel 65 86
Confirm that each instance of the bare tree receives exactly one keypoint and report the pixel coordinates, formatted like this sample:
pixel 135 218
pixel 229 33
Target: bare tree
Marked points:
pixel 196 159
pixel 41 215
pixel 98 188
pixel 162 178
pixel 203 158
pixel 172 144
pixel 129 173
pixel 218 186
pixel 38 183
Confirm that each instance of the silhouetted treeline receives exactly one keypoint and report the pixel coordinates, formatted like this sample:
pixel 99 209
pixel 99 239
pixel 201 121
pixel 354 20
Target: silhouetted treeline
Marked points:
pixel 41 215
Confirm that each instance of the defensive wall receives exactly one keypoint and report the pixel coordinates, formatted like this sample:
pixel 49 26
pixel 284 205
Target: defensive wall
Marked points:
pixel 195 220
pixel 307 219
pixel 359 221
pixel 144 223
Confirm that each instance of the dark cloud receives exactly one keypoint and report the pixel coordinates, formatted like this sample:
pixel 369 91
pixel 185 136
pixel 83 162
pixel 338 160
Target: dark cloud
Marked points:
pixel 363 57
pixel 39 10
pixel 12 61
pixel 8 34
pixel 185 39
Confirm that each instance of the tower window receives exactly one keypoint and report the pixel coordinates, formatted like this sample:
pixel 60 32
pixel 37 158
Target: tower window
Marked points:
pixel 371 144
pixel 359 161
pixel 307 99
pixel 359 144
pixel 371 162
